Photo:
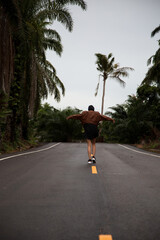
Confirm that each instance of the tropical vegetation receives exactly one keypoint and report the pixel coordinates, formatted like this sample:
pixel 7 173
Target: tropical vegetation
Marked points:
pixel 51 125
pixel 26 76
pixel 138 119
pixel 109 69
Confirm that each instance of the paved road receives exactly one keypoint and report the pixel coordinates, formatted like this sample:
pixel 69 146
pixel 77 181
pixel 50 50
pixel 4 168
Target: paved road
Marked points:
pixel 53 195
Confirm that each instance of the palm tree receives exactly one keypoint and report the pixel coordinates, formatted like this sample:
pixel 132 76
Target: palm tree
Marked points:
pixel 34 76
pixel 32 70
pixel 153 74
pixel 38 17
pixel 107 68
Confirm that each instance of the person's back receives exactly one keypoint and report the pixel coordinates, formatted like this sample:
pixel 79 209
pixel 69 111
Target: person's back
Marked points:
pixel 92 117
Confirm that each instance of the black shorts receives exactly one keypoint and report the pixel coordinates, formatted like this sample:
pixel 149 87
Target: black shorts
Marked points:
pixel 91 131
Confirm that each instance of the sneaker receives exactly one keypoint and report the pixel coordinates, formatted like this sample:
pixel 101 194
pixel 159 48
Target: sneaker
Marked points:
pixel 89 161
pixel 93 159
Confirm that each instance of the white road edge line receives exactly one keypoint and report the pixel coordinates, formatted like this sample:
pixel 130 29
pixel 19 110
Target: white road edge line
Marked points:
pixel 26 153
pixel 149 154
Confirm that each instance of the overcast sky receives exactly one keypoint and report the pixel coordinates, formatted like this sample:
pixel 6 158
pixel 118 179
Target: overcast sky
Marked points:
pixel 120 27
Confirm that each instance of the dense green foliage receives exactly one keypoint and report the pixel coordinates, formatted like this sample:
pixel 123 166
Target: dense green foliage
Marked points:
pixel 138 120
pixel 52 126
pixel 26 76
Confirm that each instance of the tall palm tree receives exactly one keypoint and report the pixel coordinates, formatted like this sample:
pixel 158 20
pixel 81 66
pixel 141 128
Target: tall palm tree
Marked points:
pixel 34 76
pixel 38 18
pixel 107 68
pixel 31 39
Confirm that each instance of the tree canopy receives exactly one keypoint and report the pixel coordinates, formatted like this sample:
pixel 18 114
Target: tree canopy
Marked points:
pixel 26 76
pixel 107 68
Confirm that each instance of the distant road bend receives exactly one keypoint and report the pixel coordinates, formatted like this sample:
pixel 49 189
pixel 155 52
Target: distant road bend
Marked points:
pixel 51 193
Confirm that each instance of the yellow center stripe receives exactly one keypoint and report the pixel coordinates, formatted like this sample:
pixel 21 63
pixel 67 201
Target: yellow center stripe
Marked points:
pixel 105 237
pixel 94 170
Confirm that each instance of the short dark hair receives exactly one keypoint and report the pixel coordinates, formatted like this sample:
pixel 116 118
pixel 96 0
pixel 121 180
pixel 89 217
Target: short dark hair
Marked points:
pixel 90 108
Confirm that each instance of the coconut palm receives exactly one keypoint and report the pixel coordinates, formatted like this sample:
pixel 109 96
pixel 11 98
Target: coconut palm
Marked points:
pixel 34 76
pixel 32 39
pixel 38 17
pixel 107 68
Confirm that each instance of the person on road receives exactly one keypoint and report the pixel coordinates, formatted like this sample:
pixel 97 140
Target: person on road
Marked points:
pixel 90 120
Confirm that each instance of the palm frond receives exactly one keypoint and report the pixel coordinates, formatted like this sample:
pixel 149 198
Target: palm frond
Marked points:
pixel 96 91
pixel 149 61
pixel 53 45
pixel 49 80
pixel 116 65
pixel 97 88
pixel 44 14
pixel 52 34
pixel 60 84
pixel 126 69
pixel 153 74
pixel 110 55
pixel 51 67
pixel 116 77
pixel 116 74
pixel 156 30
pixel 63 16
pixel 80 3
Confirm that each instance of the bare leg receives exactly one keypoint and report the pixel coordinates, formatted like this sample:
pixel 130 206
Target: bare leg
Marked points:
pixel 94 146
pixel 89 145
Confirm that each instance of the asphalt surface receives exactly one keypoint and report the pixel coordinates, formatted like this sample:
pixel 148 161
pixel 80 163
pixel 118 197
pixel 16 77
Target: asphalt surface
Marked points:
pixel 53 195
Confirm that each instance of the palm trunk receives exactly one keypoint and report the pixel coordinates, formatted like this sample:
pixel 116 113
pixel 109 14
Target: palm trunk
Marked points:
pixel 25 99
pixel 7 52
pixel 104 85
pixel 102 107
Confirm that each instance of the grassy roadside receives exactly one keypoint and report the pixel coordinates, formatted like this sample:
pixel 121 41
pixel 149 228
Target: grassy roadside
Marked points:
pixel 151 147
pixel 25 145
pixel 18 146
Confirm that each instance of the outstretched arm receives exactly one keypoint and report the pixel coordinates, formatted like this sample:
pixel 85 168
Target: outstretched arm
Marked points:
pixel 75 116
pixel 105 118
